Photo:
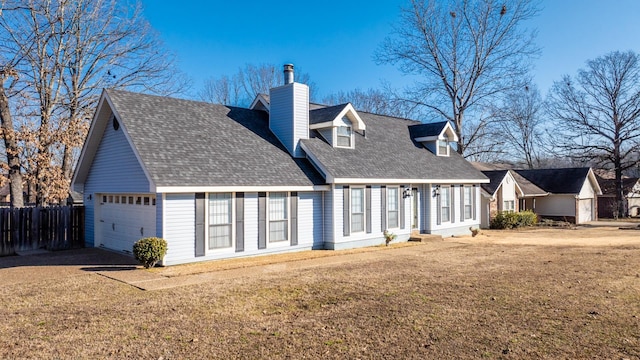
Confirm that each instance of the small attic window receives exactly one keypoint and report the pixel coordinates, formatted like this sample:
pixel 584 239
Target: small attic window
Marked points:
pixel 443 147
pixel 344 136
pixel 116 124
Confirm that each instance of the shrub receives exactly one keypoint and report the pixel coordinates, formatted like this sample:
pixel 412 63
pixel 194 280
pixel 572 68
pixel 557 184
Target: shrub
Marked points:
pixel 513 220
pixel 148 251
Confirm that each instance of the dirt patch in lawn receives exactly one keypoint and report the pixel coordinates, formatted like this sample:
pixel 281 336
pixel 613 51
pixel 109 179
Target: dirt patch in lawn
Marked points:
pixel 500 295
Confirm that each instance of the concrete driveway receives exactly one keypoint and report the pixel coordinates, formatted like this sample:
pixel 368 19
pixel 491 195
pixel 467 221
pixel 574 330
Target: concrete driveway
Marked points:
pixel 38 266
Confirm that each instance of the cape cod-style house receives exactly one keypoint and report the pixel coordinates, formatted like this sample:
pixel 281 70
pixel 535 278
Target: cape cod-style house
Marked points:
pixel 218 181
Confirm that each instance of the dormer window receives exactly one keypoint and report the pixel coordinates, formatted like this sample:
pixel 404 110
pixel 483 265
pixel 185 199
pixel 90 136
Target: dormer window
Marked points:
pixel 344 135
pixel 443 147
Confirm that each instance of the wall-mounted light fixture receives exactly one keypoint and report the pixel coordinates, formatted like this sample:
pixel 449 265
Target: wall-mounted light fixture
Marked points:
pixel 406 193
pixel 89 197
pixel 436 190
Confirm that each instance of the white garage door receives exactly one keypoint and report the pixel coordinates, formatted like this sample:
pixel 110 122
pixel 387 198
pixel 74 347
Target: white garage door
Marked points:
pixel 585 210
pixel 124 219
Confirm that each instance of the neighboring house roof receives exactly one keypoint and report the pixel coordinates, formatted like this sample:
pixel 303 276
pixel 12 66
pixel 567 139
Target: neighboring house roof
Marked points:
pixel 562 180
pixel 608 185
pixel 495 179
pixel 388 152
pixel 492 166
pixel 190 143
pixel 528 188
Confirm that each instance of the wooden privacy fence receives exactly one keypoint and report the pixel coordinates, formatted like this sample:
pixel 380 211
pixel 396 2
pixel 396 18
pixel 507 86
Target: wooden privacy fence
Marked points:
pixel 50 228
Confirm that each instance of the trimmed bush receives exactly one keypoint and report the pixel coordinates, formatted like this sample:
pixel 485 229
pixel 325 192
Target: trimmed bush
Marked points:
pixel 513 220
pixel 148 251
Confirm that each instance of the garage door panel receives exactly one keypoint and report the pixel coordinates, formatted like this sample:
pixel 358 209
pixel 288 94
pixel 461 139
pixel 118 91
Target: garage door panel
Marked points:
pixel 121 223
pixel 585 210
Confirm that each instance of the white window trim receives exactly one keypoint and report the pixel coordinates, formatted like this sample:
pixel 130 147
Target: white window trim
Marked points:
pixel 335 137
pixel 509 208
pixel 397 206
pixel 442 220
pixel 281 243
pixel 364 210
pixel 232 248
pixel 438 147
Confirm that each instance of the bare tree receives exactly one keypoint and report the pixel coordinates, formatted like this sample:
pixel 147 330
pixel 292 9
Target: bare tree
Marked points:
pixel 10 141
pixel 242 87
pixel 223 90
pixel 597 114
pixel 66 52
pixel 383 102
pixel 519 121
pixel 464 52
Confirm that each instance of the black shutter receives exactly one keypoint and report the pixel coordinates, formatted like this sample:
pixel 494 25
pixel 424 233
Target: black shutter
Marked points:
pixel 461 202
pixel 346 223
pixel 200 224
pixel 438 209
pixel 452 205
pixel 401 207
pixel 473 201
pixel 239 222
pixel 294 218
pixel 262 220
pixel 367 204
pixel 383 207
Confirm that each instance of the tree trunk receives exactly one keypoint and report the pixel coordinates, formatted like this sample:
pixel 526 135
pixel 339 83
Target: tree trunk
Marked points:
pixel 458 129
pixel 621 208
pixel 11 147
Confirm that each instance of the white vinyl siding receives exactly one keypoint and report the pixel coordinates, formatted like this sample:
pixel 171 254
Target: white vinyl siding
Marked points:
pixel 357 210
pixel 468 202
pixel 278 217
pixel 179 227
pixel 392 208
pixel 445 204
pixel 220 221
pixel 115 169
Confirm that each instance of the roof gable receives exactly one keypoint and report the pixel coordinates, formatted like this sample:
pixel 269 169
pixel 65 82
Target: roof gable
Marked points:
pixel 433 131
pixel 332 116
pixel 105 113
pixel 185 143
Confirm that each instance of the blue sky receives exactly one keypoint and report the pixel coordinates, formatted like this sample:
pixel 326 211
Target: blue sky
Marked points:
pixel 334 40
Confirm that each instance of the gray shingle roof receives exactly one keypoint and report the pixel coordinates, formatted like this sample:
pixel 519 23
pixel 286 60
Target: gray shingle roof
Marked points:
pixel 557 181
pixel 388 152
pixel 495 179
pixel 189 143
pixel 321 115
pixel 425 130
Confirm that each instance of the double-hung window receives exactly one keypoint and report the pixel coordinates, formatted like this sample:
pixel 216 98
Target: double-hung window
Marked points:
pixel 344 136
pixel 278 217
pixel 357 209
pixel 509 205
pixel 445 204
pixel 219 221
pixel 443 147
pixel 392 207
pixel 468 202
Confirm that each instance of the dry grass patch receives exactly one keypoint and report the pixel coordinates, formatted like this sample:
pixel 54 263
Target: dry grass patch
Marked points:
pixel 472 300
